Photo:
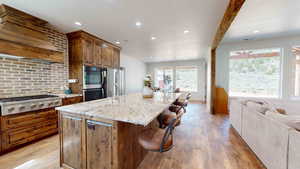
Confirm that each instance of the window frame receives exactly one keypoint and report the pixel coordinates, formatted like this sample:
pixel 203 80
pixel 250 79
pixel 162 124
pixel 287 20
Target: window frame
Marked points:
pixel 294 72
pixel 164 68
pixel 280 90
pixel 188 67
pixel 174 69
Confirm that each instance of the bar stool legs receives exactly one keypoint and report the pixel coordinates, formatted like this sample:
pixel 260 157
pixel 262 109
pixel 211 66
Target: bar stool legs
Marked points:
pixel 158 140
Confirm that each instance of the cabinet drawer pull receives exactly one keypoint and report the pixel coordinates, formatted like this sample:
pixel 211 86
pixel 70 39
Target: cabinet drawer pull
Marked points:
pixel 91 126
pixel 98 123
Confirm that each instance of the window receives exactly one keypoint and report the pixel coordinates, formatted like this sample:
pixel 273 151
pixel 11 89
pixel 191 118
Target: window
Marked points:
pixel 186 79
pixel 255 73
pixel 296 52
pixel 164 78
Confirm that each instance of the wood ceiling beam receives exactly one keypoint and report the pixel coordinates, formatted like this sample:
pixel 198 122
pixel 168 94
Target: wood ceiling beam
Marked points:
pixel 231 12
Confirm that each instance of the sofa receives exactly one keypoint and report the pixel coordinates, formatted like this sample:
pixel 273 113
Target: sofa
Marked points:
pixel 264 126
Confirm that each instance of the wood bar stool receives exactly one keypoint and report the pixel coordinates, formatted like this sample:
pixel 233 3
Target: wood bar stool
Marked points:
pixel 166 117
pixel 183 103
pixel 158 140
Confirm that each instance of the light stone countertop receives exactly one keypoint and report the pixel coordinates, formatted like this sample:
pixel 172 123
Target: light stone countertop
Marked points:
pixel 132 108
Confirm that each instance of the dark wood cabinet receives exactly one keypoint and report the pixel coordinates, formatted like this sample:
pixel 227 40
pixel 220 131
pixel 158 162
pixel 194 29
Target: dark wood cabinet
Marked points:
pixel 92 50
pixel 19 129
pixel 88 51
pixel 98 52
pixel 72 135
pixel 107 55
pixel 98 134
pixel 72 100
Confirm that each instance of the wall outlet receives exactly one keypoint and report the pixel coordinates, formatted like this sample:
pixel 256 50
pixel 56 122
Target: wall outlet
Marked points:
pixel 72 80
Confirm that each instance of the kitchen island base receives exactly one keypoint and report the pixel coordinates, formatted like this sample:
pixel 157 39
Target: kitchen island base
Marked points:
pixel 90 143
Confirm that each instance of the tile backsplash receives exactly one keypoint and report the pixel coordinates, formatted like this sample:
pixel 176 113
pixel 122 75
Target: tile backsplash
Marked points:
pixel 23 77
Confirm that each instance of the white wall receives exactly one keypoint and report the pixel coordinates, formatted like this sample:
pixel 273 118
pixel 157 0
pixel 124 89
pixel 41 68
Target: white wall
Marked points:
pixel 200 63
pixel 135 73
pixel 285 43
pixel 209 102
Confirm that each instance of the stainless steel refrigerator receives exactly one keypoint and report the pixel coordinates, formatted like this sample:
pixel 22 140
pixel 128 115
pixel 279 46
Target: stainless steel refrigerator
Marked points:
pixel 115 82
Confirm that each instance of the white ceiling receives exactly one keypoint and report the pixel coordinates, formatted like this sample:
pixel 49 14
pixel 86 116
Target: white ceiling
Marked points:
pixel 275 18
pixel 115 20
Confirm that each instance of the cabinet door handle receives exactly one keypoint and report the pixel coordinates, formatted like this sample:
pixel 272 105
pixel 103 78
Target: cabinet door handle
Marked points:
pixel 91 126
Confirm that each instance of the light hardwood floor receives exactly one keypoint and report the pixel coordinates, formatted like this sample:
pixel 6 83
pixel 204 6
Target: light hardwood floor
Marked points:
pixel 202 141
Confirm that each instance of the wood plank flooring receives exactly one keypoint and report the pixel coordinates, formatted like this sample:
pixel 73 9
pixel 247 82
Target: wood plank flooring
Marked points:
pixel 202 141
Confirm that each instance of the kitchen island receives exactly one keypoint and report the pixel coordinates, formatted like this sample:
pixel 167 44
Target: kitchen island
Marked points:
pixel 102 134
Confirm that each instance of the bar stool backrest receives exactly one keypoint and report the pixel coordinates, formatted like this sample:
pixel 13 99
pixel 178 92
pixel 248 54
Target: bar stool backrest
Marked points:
pixel 188 97
pixel 169 131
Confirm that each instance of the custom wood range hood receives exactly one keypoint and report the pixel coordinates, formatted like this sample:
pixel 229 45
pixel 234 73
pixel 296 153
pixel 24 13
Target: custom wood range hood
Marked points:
pixel 22 35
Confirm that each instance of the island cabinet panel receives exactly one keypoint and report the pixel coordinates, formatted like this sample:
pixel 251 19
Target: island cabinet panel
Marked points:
pixel 99 145
pixel 72 153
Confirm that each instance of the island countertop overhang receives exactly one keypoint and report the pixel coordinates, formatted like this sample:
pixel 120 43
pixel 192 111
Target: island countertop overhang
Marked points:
pixel 132 108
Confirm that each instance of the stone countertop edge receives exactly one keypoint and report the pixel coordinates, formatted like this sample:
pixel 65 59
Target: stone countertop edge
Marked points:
pixel 86 113
pixel 65 96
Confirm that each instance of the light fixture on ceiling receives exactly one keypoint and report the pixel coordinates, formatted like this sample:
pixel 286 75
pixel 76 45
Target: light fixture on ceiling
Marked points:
pixel 118 42
pixel 138 24
pixel 153 38
pixel 256 31
pixel 186 31
pixel 78 24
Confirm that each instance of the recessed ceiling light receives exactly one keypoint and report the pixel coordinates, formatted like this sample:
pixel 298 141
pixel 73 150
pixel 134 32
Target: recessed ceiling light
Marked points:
pixel 78 23
pixel 256 31
pixel 138 24
pixel 153 38
pixel 186 31
pixel 118 42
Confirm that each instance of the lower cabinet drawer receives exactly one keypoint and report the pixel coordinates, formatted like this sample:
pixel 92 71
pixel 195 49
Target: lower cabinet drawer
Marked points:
pixel 16 137
pixel 72 100
pixel 27 119
pixel 23 128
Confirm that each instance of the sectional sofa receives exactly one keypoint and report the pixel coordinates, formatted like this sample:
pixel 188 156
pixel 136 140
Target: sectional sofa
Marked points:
pixel 270 127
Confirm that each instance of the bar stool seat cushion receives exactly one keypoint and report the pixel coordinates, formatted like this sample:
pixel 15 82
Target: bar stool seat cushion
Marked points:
pixel 151 139
pixel 174 108
pixel 167 117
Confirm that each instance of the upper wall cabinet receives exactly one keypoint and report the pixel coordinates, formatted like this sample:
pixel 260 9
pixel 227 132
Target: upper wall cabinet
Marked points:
pixel 107 55
pixel 92 50
pixel 98 52
pixel 88 51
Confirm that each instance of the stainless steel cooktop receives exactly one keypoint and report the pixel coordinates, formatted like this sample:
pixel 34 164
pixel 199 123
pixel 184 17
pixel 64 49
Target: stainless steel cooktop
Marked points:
pixel 16 105
pixel 13 99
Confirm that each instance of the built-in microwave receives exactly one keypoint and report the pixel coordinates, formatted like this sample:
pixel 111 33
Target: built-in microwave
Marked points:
pixel 91 77
pixel 94 83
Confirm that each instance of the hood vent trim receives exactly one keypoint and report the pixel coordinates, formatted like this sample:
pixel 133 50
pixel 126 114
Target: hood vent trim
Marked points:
pixel 22 34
